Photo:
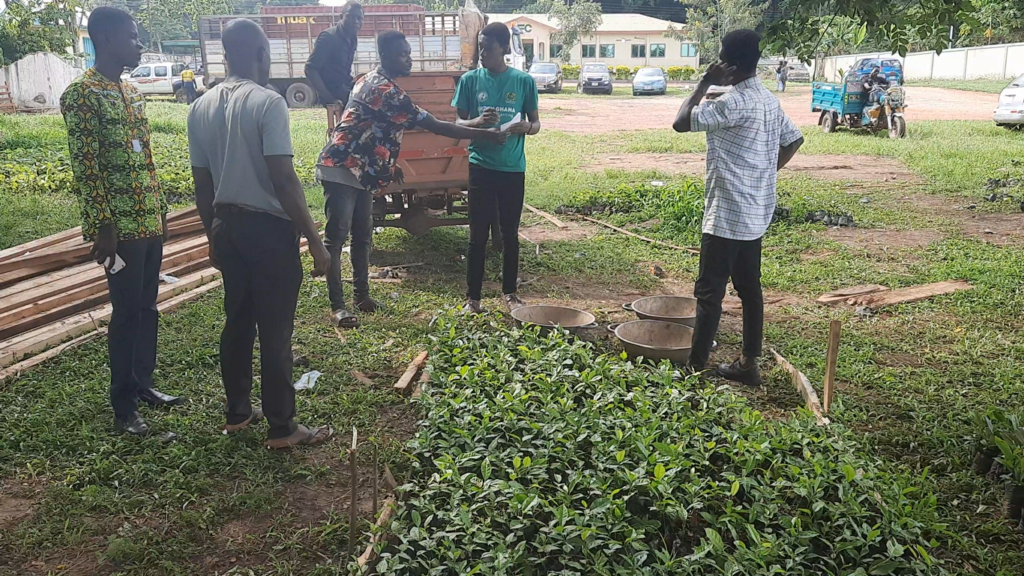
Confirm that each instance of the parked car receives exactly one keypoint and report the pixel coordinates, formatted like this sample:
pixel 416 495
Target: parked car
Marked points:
pixel 649 81
pixel 160 79
pixel 891 67
pixel 596 78
pixel 1010 110
pixel 547 75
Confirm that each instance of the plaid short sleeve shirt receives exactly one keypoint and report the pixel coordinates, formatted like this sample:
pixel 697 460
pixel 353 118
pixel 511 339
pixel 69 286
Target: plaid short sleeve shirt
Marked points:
pixel 745 129
pixel 368 138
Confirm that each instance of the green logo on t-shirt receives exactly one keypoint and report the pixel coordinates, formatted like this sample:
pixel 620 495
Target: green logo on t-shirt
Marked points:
pixel 510 97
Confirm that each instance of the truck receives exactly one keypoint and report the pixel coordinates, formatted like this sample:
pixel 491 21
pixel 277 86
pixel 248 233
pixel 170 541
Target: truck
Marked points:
pixel 434 36
pixel 436 167
pixel 161 79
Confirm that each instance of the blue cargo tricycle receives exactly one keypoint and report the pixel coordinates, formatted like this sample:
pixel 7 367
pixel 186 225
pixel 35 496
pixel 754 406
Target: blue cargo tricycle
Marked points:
pixel 848 105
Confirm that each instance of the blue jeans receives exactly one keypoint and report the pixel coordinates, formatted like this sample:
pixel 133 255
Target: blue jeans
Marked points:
pixel 349 210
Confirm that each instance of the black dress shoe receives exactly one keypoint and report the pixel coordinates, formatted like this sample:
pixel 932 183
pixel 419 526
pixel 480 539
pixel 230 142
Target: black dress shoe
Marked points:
pixel 748 376
pixel 134 425
pixel 158 398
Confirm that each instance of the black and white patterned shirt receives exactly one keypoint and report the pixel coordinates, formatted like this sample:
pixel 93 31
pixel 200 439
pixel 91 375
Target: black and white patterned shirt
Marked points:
pixel 745 128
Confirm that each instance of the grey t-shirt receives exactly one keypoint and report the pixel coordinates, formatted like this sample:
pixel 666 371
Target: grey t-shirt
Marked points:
pixel 230 129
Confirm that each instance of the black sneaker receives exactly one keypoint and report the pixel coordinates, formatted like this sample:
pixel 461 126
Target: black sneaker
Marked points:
pixel 749 376
pixel 133 425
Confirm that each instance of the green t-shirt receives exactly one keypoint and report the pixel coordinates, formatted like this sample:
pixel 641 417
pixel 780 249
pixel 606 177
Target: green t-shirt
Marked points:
pixel 511 92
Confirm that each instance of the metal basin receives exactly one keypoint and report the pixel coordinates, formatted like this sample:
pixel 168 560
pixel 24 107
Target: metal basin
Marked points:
pixel 675 309
pixel 655 339
pixel 550 316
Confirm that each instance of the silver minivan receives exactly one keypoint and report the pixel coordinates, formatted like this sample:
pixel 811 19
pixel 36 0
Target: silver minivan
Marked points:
pixel 1010 110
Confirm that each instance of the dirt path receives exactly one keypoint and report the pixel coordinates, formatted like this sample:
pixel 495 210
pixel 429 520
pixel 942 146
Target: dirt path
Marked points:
pixel 595 115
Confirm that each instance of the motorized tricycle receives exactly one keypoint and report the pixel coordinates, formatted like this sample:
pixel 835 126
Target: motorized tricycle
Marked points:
pixel 850 105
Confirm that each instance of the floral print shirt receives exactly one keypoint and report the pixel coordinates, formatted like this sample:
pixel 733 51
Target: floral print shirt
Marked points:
pixel 114 174
pixel 368 138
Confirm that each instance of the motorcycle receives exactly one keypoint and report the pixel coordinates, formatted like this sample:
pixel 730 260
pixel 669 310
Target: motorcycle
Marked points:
pixel 849 105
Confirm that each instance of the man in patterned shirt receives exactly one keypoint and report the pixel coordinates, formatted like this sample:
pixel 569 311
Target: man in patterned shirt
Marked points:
pixel 124 213
pixel 749 140
pixel 359 162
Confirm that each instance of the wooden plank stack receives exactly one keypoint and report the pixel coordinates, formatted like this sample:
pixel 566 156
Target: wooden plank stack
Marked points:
pixel 51 290
pixel 7 105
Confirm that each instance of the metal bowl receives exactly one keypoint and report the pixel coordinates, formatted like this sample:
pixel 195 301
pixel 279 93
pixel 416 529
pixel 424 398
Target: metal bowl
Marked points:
pixel 551 316
pixel 676 309
pixel 655 339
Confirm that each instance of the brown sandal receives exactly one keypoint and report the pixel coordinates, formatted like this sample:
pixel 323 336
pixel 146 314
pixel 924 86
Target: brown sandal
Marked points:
pixel 253 418
pixel 302 437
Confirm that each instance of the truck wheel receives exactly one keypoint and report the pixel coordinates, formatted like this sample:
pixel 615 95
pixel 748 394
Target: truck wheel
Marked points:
pixel 180 96
pixel 828 122
pixel 300 95
pixel 898 127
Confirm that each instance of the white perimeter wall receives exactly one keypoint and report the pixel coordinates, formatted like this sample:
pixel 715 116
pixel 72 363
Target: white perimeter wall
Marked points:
pixel 38 80
pixel 997 61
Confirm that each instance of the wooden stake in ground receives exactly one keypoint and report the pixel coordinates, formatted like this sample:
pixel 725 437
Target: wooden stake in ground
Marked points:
pixel 403 383
pixel 803 385
pixel 546 216
pixel 831 357
pixel 376 474
pixel 644 238
pixel 354 481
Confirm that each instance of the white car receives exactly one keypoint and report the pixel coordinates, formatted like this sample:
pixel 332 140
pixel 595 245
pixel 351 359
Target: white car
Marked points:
pixel 1010 110
pixel 159 78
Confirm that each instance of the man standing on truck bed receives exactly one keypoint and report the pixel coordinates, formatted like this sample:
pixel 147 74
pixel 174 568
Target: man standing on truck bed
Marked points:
pixel 749 139
pixel 124 212
pixel 253 209
pixel 329 68
pixel 359 161
pixel 491 96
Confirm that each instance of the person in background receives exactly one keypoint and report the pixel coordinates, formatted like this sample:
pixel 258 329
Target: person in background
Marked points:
pixel 359 161
pixel 124 213
pixel 496 95
pixel 782 75
pixel 875 85
pixel 254 209
pixel 188 83
pixel 329 68
pixel 749 140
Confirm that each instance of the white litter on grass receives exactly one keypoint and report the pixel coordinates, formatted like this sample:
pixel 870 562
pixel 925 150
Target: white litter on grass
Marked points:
pixel 308 380
pixel 657 183
pixel 168 279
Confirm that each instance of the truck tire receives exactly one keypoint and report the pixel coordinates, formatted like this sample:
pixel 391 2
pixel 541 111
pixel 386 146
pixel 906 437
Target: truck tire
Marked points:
pixel 180 96
pixel 828 122
pixel 300 95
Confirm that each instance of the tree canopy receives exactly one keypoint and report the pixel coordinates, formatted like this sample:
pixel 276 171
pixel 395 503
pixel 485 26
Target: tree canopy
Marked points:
pixel 28 26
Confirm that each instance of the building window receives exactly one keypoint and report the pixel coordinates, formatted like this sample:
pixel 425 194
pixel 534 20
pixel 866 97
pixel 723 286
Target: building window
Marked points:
pixel 657 50
pixel 639 51
pixel 688 50
pixel 590 50
pixel 607 50
pixel 556 49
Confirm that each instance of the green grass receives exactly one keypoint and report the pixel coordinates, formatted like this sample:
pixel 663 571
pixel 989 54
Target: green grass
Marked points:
pixel 989 85
pixel 910 378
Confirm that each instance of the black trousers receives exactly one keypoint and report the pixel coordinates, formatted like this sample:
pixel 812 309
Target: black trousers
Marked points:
pixel 720 259
pixel 131 335
pixel 259 259
pixel 494 195
pixel 349 210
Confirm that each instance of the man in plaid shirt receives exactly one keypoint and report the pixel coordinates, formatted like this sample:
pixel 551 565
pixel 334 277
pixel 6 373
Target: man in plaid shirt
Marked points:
pixel 749 140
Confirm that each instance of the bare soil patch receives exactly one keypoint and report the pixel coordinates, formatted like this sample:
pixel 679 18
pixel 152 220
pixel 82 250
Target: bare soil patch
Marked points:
pixel 998 229
pixel 547 232
pixel 598 115
pixel 880 242
pixel 837 167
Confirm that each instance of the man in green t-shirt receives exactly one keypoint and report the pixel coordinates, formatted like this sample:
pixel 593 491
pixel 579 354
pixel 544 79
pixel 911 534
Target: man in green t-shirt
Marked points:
pixel 496 95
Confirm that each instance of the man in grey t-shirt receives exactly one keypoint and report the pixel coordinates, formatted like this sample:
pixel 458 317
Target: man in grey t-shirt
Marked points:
pixel 254 209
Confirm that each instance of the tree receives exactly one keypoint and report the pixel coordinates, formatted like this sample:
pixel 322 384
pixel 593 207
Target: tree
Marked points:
pixel 29 26
pixel 998 22
pixel 895 24
pixel 575 22
pixel 708 21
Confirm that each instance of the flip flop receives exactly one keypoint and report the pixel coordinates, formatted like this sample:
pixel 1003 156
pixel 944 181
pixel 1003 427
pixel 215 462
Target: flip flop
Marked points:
pixel 345 319
pixel 253 418
pixel 302 437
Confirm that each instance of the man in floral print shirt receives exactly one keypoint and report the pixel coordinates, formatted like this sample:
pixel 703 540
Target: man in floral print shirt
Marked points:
pixel 359 162
pixel 123 211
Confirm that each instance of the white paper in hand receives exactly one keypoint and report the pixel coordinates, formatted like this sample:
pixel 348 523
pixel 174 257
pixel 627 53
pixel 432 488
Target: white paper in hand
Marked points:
pixel 515 120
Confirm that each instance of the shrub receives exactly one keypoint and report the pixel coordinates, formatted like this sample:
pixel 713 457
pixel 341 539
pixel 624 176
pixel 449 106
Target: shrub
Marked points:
pixel 570 72
pixel 675 72
pixel 687 73
pixel 621 72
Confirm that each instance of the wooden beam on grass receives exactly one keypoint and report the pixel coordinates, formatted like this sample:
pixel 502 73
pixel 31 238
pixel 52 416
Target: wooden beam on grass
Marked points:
pixel 803 386
pixel 911 294
pixel 370 554
pixel 844 294
pixel 831 357
pixel 424 378
pixel 644 238
pixel 414 367
pixel 354 500
pixel 546 216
